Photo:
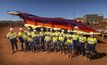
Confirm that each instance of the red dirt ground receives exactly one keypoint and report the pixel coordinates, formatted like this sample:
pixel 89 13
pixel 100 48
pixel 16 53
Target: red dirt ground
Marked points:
pixel 43 58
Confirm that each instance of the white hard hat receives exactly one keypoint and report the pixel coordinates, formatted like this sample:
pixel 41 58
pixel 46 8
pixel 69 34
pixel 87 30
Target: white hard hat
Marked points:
pixel 81 32
pixel 75 31
pixel 76 27
pixel 11 29
pixel 51 29
pixel 68 31
pixel 28 28
pixel 25 31
pixel 21 28
pixel 41 29
pixel 62 30
pixel 34 30
pixel 91 33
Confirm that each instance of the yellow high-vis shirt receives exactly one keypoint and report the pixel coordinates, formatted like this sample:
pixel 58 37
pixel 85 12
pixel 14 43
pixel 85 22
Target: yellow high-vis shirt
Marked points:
pixel 82 39
pixel 68 35
pixel 57 33
pixel 75 37
pixel 47 38
pixel 61 38
pixel 92 40
pixel 69 41
pixel 20 34
pixel 41 33
pixel 29 39
pixel 24 37
pixel 34 35
pixel 55 39
pixel 29 32
pixel 11 35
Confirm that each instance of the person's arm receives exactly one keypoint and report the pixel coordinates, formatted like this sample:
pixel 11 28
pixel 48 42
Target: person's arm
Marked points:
pixel 8 35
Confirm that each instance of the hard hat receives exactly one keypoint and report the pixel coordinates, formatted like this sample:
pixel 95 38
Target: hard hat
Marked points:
pixel 91 33
pixel 62 30
pixel 28 28
pixel 34 30
pixel 25 31
pixel 41 29
pixel 51 29
pixel 68 31
pixel 81 32
pixel 76 27
pixel 11 29
pixel 75 31
pixel 21 28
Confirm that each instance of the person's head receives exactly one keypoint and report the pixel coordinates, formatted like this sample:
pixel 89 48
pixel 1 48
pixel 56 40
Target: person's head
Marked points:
pixel 91 34
pixel 81 33
pixel 11 29
pixel 21 29
pixel 75 32
pixel 41 29
pixel 69 37
pixel 34 30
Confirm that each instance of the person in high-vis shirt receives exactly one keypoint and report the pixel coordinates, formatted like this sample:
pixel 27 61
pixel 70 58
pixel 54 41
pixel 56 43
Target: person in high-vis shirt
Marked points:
pixel 61 40
pixel 69 45
pixel 30 43
pixel 75 41
pixel 41 38
pixel 54 42
pixel 20 34
pixel 35 38
pixel 90 48
pixel 29 31
pixel 81 44
pixel 47 40
pixel 25 36
pixel 12 37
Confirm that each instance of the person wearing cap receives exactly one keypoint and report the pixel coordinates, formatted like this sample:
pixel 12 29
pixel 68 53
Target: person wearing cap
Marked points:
pixel 12 37
pixel 75 41
pixel 20 34
pixel 69 45
pixel 81 44
pixel 35 38
pixel 90 48
pixel 54 42
pixel 47 40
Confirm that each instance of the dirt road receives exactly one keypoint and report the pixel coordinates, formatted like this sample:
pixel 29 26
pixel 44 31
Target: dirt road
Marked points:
pixel 43 58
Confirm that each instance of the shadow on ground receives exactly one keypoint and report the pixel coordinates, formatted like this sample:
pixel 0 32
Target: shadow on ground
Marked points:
pixel 99 55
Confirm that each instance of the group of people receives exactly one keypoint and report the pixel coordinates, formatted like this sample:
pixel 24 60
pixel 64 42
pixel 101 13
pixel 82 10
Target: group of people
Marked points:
pixel 53 40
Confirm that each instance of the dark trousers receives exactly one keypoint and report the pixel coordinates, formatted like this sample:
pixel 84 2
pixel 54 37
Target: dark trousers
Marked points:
pixel 14 44
pixel 81 47
pixel 21 41
pixel 75 45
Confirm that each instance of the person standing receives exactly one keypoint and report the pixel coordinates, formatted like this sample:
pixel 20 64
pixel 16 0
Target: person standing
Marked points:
pixel 20 36
pixel 75 41
pixel 12 37
pixel 81 44
pixel 90 48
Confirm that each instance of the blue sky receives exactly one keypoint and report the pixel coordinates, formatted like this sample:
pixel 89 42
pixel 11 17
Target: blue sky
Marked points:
pixel 53 8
